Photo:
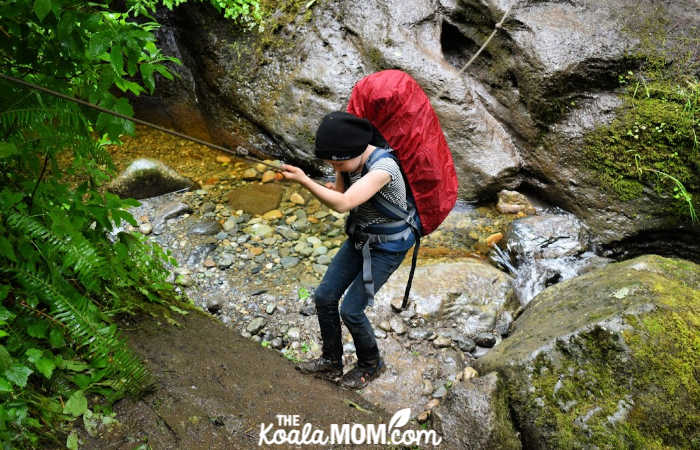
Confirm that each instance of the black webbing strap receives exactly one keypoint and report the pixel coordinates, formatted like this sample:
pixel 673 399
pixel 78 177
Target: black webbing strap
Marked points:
pixel 414 258
pixel 406 222
pixel 372 238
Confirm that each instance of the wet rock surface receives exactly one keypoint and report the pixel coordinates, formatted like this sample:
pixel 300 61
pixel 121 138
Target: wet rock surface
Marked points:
pixel 545 249
pixel 475 416
pixel 148 178
pixel 606 357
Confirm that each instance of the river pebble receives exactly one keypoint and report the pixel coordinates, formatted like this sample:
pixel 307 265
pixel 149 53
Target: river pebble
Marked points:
pixel 255 325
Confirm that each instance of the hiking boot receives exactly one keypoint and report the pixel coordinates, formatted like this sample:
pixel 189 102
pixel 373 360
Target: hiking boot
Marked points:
pixel 359 378
pixel 321 367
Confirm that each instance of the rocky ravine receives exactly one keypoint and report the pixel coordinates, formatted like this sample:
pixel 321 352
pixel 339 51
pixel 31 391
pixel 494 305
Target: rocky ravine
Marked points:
pixel 256 270
pixel 515 119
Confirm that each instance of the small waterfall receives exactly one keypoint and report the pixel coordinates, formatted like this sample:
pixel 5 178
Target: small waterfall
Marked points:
pixel 543 250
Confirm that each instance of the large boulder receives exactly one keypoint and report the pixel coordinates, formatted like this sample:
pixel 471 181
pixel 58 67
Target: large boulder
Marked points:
pixel 608 359
pixel 146 178
pixel 467 295
pixel 517 117
pixel 475 417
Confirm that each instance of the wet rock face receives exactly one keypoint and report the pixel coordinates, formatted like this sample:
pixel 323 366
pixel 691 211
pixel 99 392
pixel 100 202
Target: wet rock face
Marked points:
pixel 148 178
pixel 546 249
pixel 607 357
pixel 515 117
pixel 475 416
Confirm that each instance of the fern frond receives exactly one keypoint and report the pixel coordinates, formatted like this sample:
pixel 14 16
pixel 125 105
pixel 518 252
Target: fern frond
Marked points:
pixel 78 253
pixel 100 339
pixel 33 117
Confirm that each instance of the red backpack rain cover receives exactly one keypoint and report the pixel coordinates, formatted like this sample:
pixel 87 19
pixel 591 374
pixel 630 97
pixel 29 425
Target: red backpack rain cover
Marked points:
pixel 394 103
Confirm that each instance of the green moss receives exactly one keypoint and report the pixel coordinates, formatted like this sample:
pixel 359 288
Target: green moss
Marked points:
pixel 375 57
pixel 655 134
pixel 503 431
pixel 638 389
pixel 653 138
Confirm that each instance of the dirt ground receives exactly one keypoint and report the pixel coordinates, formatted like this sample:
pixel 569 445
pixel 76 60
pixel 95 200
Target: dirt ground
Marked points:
pixel 213 390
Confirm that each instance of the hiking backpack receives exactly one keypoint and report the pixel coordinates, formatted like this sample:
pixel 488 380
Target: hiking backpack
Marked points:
pixel 397 106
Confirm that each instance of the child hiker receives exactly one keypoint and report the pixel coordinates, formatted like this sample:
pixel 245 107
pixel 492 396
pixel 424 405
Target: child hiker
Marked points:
pixel 376 245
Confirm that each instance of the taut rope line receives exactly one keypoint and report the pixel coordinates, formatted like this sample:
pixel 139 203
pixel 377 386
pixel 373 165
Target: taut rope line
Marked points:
pixel 135 120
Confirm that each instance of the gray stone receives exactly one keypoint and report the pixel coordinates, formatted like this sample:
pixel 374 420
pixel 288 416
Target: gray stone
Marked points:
pixel 270 308
pixel 171 210
pixel 440 392
pixel 324 259
pixel 288 233
pixel 231 225
pixel 207 207
pixel 418 334
pixel 503 323
pixel 397 326
pixel 349 347
pixel 467 293
pixel 224 260
pixel 199 253
pixel 146 228
pixel 442 342
pixel 214 305
pixel 205 228
pixel 465 344
pixel 277 343
pixel 260 230
pixel 294 334
pixel 289 262
pixel 255 325
pixel 475 416
pixel 487 340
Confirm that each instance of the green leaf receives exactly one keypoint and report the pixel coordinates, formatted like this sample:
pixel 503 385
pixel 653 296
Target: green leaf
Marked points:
pixel 42 8
pixel 33 355
pixel 72 441
pixel 38 329
pixel 117 58
pixel 75 366
pixel 56 339
pixel 5 359
pixel 45 366
pixel 147 76
pixel 18 374
pixel 6 249
pixel 7 149
pixel 76 404
pixel 5 386
pixel 5 314
pixel 98 45
pixel 163 71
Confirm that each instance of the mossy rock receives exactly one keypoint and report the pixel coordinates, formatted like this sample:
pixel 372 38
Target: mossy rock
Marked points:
pixel 146 178
pixel 609 359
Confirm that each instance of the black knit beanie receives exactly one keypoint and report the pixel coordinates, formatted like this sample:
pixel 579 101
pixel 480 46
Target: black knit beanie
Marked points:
pixel 342 136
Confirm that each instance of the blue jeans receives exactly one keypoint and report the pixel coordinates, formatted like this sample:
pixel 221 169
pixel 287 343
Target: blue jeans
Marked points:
pixel 346 270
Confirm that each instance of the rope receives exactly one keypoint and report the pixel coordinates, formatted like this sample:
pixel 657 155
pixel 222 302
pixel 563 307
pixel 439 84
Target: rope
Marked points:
pixel 478 52
pixel 135 120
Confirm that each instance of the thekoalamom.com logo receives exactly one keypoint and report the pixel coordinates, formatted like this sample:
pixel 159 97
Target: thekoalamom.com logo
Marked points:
pixel 356 433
